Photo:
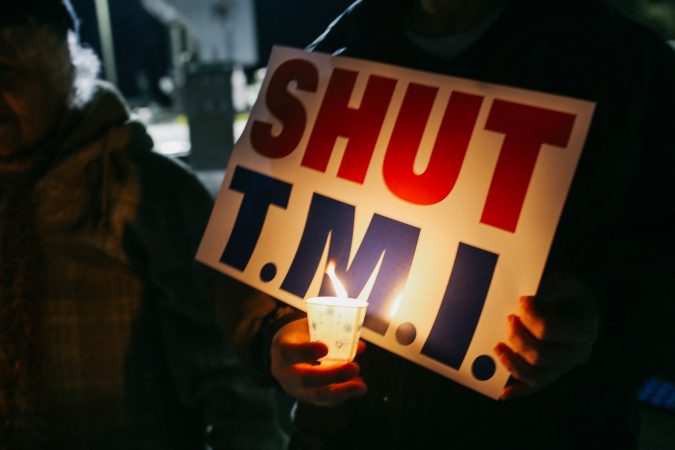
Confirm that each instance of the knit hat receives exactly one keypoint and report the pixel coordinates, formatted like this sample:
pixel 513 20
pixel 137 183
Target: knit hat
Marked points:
pixel 55 12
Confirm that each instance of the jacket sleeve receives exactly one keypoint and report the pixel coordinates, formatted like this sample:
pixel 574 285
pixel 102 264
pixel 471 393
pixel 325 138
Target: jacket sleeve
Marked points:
pixel 209 380
pixel 640 287
pixel 251 319
pixel 650 231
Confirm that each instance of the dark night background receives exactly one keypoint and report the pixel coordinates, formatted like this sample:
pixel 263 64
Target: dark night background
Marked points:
pixel 143 53
pixel 142 49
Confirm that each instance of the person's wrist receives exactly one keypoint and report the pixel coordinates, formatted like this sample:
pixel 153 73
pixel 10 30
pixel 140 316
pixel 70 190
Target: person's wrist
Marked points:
pixel 272 323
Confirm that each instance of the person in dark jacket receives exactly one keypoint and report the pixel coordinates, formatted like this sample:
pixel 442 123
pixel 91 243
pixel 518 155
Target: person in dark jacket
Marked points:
pixel 107 332
pixel 603 317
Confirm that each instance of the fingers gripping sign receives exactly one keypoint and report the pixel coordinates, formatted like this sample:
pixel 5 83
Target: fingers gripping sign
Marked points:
pixel 295 366
pixel 551 333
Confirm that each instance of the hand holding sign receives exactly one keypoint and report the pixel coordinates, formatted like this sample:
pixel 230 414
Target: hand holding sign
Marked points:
pixel 295 367
pixel 552 333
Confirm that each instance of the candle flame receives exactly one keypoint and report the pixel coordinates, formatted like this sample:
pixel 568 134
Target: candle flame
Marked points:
pixel 339 288
pixel 395 305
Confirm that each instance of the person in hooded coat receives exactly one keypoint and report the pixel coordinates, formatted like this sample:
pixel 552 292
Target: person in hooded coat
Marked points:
pixel 107 331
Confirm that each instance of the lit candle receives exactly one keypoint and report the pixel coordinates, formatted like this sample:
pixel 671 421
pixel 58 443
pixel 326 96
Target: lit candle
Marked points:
pixel 336 321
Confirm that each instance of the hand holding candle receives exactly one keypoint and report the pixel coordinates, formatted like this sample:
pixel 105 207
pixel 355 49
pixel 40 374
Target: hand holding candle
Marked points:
pixel 295 356
pixel 295 367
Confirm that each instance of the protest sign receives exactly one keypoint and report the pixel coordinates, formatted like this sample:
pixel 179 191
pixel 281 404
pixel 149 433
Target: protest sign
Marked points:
pixel 437 198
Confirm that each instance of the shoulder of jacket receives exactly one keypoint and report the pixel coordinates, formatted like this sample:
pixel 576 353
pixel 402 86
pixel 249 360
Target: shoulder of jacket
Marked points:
pixel 172 174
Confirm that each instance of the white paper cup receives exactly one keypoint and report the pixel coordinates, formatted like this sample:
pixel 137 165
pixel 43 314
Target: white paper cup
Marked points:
pixel 337 323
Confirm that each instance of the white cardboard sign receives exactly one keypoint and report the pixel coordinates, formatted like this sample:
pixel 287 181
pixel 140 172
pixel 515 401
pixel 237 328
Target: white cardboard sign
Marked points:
pixel 436 197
